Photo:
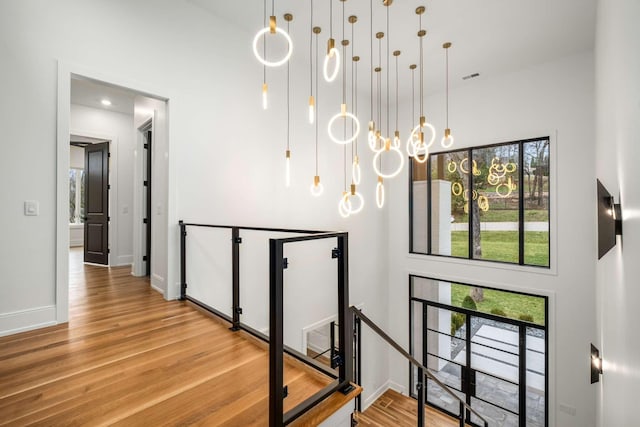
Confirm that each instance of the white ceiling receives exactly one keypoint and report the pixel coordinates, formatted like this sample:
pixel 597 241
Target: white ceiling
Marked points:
pixel 489 37
pixel 90 94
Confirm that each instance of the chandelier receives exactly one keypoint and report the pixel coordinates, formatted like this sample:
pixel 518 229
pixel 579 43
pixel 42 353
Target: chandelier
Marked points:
pixel 344 127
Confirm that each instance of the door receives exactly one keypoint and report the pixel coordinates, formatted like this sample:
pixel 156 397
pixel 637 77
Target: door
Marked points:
pixel 497 367
pixel 96 227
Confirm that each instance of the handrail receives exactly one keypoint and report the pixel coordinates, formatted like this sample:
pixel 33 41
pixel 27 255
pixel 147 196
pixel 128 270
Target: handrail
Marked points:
pixel 412 359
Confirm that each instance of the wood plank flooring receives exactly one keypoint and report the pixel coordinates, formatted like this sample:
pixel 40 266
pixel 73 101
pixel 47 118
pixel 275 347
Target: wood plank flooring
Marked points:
pixel 394 409
pixel 129 358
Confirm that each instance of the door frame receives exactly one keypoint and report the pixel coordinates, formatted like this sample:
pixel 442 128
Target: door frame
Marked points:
pixel 67 71
pixel 138 202
pixel 549 386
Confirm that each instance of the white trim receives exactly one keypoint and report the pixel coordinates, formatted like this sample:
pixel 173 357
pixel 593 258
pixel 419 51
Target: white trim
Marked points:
pixel 66 71
pixel 26 320
pixel 376 395
pixel 398 387
pixel 159 290
pixel 123 260
pixel 139 204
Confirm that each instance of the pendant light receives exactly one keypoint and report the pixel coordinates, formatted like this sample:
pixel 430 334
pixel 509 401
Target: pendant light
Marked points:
pixel 316 187
pixel 417 137
pixel 372 124
pixel 288 17
pixel 332 52
pixel 272 29
pixel 389 146
pixel 411 151
pixel 356 171
pixel 376 143
pixel 312 101
pixel 447 139
pixel 344 114
pixel 356 199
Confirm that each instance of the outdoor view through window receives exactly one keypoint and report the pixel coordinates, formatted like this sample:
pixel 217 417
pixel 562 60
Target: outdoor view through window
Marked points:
pixel 489 203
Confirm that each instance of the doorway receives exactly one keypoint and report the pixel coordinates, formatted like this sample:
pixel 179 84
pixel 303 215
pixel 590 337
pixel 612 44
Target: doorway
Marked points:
pixel 126 234
pixel 496 361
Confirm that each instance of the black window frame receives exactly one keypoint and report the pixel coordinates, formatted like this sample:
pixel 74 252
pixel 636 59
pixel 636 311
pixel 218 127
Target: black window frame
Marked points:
pixel 521 204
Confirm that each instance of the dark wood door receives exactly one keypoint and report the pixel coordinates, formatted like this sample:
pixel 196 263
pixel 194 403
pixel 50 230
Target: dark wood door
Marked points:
pixel 96 227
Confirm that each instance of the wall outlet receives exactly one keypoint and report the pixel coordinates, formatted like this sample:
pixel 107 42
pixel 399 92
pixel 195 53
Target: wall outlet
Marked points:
pixel 31 208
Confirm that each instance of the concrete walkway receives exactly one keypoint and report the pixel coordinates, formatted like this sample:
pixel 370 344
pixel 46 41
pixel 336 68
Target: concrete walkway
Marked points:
pixel 502 226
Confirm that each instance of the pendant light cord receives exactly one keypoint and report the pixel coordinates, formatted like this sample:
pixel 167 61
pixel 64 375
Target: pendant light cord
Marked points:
pixel 421 72
pixel 311 53
pixel 397 100
pixel 288 98
pixel 264 43
pixel 388 73
pixel 371 53
pixel 447 83
pixel 317 105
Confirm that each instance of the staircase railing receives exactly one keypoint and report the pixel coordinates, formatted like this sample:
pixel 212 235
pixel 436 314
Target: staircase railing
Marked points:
pixel 423 372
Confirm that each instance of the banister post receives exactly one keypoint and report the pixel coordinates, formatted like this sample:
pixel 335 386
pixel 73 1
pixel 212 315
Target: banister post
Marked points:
pixel 276 338
pixel 345 335
pixel 235 259
pixel 422 385
pixel 183 260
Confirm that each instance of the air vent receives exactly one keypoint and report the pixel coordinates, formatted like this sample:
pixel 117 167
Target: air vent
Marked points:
pixel 471 76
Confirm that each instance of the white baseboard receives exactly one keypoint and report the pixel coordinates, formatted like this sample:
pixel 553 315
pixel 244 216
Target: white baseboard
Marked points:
pixel 26 320
pixel 375 395
pixel 123 260
pixel 398 387
pixel 157 289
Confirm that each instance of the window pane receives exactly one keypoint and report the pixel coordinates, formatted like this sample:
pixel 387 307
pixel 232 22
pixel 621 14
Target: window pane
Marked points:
pixel 495 203
pixel 449 222
pixel 72 196
pixel 536 372
pixel 419 207
pixel 81 211
pixel 536 204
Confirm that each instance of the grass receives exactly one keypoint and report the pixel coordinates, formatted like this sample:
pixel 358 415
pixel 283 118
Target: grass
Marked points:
pixel 512 304
pixel 507 215
pixel 503 246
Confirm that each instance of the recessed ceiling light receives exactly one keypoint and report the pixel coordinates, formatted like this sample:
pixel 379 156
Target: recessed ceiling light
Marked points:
pixel 106 102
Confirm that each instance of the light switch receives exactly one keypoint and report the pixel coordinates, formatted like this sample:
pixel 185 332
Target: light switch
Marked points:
pixel 31 208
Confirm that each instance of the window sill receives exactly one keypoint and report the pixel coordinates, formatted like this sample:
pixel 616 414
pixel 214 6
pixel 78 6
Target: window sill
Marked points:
pixel 76 226
pixel 547 271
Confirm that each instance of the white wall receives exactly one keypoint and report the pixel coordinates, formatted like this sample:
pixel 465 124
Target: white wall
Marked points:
pixel 87 121
pixel 555 97
pixel 225 154
pixel 617 154
pixel 76 160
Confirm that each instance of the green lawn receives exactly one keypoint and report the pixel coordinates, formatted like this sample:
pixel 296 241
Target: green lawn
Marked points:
pixel 503 246
pixel 511 303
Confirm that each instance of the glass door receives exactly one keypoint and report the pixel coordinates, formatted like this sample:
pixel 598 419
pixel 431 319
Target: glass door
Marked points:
pixel 493 378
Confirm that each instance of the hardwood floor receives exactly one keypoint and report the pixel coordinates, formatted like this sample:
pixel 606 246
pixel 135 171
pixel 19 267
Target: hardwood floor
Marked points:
pixel 128 357
pixel 394 409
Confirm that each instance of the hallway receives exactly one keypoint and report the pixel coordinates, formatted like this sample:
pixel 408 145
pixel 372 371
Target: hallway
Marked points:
pixel 128 357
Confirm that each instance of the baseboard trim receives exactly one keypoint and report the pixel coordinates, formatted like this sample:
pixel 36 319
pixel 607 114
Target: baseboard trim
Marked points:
pixel 376 395
pixel 26 320
pixel 398 387
pixel 123 260
pixel 157 289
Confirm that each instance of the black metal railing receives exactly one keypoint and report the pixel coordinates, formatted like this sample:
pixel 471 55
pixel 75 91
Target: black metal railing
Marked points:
pixel 465 409
pixel 277 265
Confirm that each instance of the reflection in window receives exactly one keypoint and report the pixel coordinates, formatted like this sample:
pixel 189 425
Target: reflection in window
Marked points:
pixel 76 196
pixel 489 203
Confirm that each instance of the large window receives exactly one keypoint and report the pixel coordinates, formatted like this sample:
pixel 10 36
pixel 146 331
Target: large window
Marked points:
pixel 486 203
pixel 76 196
